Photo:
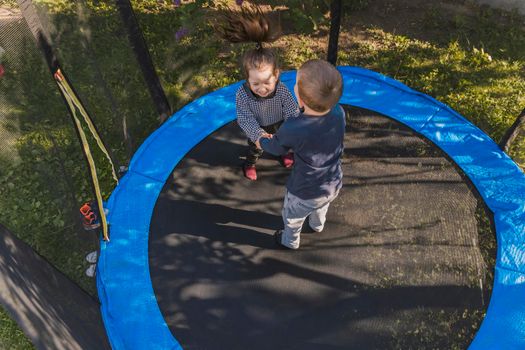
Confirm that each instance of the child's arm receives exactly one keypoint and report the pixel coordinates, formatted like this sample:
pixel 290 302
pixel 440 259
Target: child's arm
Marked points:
pixel 247 121
pixel 274 144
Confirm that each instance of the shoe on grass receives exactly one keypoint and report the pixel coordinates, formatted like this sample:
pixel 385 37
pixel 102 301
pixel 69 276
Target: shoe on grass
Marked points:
pixel 91 270
pixel 92 257
pixel 90 216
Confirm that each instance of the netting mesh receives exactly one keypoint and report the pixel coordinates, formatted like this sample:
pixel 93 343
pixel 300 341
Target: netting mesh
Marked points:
pixel 43 175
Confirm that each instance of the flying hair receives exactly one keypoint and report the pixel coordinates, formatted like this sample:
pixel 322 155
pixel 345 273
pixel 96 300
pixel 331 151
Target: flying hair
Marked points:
pixel 249 24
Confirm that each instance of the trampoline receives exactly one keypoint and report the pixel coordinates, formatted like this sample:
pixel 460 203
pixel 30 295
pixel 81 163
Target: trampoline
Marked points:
pixel 192 264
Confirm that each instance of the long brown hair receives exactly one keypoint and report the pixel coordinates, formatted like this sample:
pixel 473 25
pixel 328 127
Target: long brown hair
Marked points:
pixel 249 24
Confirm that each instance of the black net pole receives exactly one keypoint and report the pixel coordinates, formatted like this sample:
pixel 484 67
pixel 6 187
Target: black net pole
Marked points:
pixel 146 63
pixel 512 132
pixel 335 24
pixel 33 21
pixel 107 91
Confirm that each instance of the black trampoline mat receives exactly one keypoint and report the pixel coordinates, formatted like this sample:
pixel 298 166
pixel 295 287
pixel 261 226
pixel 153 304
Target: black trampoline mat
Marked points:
pixel 397 266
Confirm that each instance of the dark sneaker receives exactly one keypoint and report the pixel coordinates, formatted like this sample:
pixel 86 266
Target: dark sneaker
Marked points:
pixel 89 216
pixel 287 160
pixel 250 172
pixel 278 237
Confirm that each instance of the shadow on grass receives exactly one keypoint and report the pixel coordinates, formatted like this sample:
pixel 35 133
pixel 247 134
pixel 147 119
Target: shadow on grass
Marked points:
pixel 52 311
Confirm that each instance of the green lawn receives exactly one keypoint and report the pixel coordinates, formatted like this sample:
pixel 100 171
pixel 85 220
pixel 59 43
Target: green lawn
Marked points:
pixel 11 337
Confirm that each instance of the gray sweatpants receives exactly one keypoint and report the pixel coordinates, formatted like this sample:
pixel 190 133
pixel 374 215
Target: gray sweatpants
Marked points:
pixel 296 210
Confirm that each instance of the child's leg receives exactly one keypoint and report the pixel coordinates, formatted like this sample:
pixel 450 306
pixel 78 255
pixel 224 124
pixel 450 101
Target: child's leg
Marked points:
pixel 294 213
pixel 253 154
pixel 317 218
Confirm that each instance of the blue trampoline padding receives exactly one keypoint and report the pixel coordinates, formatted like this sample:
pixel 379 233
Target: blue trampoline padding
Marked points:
pixel 131 314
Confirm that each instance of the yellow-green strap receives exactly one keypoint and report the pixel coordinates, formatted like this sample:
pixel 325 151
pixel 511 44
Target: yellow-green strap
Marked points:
pixel 87 151
pixel 69 91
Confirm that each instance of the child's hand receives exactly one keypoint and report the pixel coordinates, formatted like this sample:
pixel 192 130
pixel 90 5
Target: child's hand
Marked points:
pixel 258 143
pixel 265 135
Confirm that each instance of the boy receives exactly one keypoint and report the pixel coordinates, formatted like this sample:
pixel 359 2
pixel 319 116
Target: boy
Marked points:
pixel 316 138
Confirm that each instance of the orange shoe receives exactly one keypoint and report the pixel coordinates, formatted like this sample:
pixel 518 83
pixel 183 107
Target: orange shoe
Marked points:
pixel 89 215
pixel 250 172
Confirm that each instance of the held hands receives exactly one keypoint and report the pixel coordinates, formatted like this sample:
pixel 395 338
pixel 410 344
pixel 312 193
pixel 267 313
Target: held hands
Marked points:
pixel 265 135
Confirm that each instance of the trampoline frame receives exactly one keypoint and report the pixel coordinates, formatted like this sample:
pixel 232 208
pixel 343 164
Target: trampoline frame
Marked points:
pixel 130 311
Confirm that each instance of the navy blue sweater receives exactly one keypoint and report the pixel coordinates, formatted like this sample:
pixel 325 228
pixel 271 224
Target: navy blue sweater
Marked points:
pixel 317 142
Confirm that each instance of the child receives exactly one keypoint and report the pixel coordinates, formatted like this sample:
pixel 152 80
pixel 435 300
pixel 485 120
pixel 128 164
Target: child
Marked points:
pixel 262 102
pixel 316 137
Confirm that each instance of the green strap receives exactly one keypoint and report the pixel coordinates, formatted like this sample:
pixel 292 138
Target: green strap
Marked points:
pixel 70 99
pixel 69 91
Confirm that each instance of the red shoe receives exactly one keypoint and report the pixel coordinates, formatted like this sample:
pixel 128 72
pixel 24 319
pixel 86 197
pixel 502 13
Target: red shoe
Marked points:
pixel 287 160
pixel 250 172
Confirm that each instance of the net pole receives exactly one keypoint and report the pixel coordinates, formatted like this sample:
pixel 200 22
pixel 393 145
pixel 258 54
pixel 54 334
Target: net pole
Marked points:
pixel 512 132
pixel 335 25
pixel 138 43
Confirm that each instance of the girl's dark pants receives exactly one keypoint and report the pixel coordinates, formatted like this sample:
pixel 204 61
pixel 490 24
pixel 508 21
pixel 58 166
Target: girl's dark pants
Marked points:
pixel 253 152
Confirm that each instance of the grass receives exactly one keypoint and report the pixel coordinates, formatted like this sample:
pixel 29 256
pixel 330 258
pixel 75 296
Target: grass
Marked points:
pixel 11 337
pixel 467 56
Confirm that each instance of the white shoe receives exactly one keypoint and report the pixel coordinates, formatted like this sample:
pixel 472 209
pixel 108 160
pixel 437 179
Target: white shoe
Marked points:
pixel 90 271
pixel 92 257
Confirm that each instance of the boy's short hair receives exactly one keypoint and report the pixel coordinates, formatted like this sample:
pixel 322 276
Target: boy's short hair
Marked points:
pixel 319 85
